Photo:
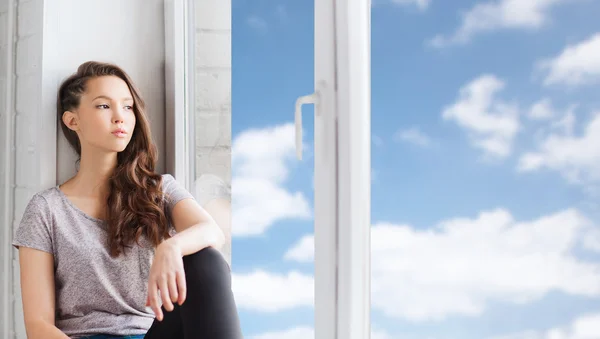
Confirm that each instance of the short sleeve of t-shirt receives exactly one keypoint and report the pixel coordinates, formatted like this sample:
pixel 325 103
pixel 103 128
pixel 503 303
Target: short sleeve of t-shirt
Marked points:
pixel 35 228
pixel 173 191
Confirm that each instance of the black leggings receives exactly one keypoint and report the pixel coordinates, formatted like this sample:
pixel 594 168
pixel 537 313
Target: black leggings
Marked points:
pixel 209 310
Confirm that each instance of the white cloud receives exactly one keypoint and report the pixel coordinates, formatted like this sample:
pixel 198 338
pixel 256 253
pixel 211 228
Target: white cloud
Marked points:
pixel 271 292
pixel 566 124
pixel 461 265
pixel 305 332
pixel 303 250
pixel 591 241
pixel 584 327
pixel 497 15
pixel 549 120
pixel 301 332
pixel 260 160
pixel 490 122
pixel 542 110
pixel 577 158
pixel 414 136
pixel 577 64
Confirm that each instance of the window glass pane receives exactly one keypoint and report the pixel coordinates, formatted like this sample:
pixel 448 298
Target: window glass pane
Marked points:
pixel 272 192
pixel 485 170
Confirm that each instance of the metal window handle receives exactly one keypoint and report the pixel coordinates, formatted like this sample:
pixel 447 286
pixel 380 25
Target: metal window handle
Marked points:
pixel 303 100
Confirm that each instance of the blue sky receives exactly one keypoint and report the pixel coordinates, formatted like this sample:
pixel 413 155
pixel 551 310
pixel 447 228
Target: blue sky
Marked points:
pixel 486 162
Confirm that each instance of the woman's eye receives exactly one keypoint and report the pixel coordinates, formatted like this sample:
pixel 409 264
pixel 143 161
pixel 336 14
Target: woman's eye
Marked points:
pixel 102 106
pixel 129 107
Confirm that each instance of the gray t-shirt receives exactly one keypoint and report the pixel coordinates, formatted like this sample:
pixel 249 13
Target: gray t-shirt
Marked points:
pixel 95 293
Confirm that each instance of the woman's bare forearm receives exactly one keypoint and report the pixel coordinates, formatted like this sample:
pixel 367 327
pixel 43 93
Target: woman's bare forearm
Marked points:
pixel 44 330
pixel 198 237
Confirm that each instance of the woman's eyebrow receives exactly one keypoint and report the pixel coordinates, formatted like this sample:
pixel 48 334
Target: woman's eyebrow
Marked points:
pixel 108 98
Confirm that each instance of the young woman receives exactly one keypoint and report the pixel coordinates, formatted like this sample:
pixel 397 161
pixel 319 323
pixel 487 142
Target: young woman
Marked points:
pixel 119 251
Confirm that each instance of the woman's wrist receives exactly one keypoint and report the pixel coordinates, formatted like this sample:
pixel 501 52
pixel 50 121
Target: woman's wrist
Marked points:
pixel 197 238
pixel 173 243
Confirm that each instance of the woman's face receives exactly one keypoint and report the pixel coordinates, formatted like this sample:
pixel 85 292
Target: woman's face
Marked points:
pixel 105 118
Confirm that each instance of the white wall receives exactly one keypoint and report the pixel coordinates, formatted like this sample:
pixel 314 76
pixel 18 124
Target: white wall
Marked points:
pixel 128 33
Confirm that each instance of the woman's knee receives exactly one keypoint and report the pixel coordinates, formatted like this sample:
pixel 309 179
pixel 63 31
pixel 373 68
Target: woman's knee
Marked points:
pixel 207 263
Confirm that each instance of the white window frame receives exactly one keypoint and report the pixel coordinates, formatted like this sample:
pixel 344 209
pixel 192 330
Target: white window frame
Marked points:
pixel 342 153
pixel 342 169
pixel 179 64
pixel 353 49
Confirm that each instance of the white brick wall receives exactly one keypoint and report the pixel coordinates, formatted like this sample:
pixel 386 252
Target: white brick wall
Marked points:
pixel 213 88
pixel 213 96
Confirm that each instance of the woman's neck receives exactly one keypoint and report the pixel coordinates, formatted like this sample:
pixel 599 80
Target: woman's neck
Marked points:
pixel 94 171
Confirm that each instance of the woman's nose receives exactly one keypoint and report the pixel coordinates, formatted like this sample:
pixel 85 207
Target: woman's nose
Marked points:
pixel 118 116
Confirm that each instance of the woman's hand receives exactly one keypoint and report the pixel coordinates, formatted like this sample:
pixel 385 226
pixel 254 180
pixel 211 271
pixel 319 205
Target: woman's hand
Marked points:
pixel 167 276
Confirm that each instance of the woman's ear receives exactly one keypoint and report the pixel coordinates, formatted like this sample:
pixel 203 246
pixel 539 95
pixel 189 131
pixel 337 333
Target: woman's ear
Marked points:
pixel 70 119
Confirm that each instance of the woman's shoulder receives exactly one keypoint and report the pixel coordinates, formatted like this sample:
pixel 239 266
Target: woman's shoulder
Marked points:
pixel 168 182
pixel 37 221
pixel 167 178
pixel 173 190
pixel 42 204
pixel 45 198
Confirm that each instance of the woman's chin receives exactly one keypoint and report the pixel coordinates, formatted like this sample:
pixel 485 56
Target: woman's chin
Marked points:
pixel 118 147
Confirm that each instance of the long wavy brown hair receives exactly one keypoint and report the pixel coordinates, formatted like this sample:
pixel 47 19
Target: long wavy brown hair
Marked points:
pixel 135 204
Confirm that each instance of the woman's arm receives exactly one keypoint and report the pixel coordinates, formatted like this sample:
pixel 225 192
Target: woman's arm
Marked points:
pixel 220 210
pixel 37 290
pixel 196 229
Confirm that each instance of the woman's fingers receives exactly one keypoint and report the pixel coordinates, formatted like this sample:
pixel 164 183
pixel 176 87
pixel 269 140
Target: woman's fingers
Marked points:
pixel 153 300
pixel 164 293
pixel 173 293
pixel 182 287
